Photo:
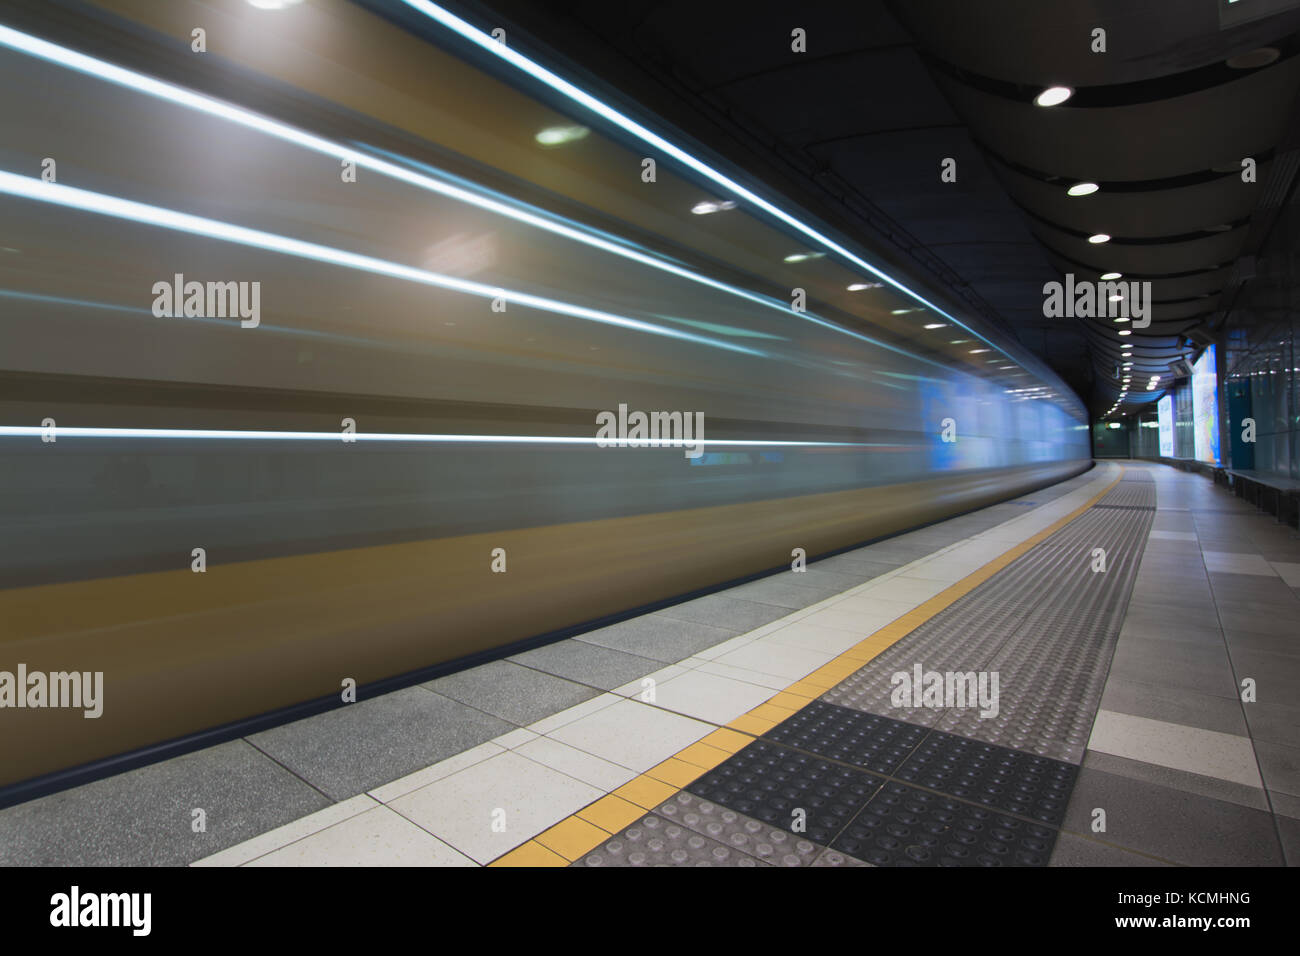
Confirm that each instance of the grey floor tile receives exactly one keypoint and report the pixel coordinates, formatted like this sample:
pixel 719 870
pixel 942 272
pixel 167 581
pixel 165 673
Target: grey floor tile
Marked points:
pixel 1171 824
pixel 1173 671
pixel 1199 784
pixel 360 746
pixel 588 663
pixel 659 638
pixel 1170 618
pixel 1221 714
pixel 1253 588
pixel 511 691
pixel 1276 723
pixel 1280 765
pixel 826 579
pixel 1282 671
pixel 1074 850
pixel 144 817
pixel 851 564
pixel 1244 616
pixel 1288 830
pixel 722 610
pixel 1238 640
pixel 779 592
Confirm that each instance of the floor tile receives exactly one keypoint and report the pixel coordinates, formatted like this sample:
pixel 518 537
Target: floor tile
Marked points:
pixel 722 610
pixel 1207 752
pixel 780 660
pixel 1170 824
pixel 468 808
pixel 906 826
pixel 632 734
pixel 1073 850
pixel 710 697
pixel 658 638
pixel 578 764
pixel 814 636
pixel 143 817
pixel 587 663
pixel 512 692
pixel 378 837
pixel 355 748
pixel 1237 563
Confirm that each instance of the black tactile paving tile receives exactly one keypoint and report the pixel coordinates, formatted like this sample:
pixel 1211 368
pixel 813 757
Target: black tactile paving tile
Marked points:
pixel 998 777
pixel 769 782
pixel 903 826
pixel 856 737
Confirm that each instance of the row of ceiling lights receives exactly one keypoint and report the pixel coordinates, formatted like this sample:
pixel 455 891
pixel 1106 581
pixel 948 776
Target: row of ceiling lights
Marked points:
pixel 1054 96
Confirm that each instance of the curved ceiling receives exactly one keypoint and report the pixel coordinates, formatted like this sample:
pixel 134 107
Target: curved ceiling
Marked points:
pixel 887 89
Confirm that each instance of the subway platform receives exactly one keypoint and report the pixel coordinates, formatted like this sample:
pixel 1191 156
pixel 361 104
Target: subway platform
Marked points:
pixel 1133 650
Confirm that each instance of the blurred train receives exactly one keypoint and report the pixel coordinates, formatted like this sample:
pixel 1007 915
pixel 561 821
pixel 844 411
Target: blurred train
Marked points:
pixel 459 263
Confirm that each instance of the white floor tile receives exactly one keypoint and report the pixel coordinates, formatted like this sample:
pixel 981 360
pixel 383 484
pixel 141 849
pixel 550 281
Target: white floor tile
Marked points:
pixel 853 619
pixel 444 768
pixel 272 840
pixel 1227 562
pixel 638 687
pixel 515 738
pixel 378 837
pixel 1173 536
pixel 576 712
pixel 576 763
pixel 632 734
pixel 1207 752
pixel 780 660
pixel 463 809
pixel 711 697
pixel 1290 573
pixel 746 676
pixel 820 633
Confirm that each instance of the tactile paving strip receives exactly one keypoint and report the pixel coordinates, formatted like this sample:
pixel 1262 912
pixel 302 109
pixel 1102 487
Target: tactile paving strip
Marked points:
pixel 745 834
pixel 997 777
pixel 903 826
pixel 865 740
pixel 654 841
pixel 769 783
pixel 1047 625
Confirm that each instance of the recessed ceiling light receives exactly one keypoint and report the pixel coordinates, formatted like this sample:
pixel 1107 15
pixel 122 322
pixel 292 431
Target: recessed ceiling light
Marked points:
pixel 708 206
pixel 1125 332
pixel 1108 276
pixel 977 351
pixel 936 325
pixel 1254 59
pixel 273 4
pixel 1099 237
pixel 859 286
pixel 802 256
pixel 1082 189
pixel 559 135
pixel 1053 96
pixel 1121 318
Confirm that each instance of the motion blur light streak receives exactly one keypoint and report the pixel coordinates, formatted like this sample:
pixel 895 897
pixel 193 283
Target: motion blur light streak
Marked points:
pixel 557 83
pixel 87 201
pixel 32 431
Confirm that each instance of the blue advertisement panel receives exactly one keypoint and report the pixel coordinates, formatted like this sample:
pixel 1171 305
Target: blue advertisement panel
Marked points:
pixel 1165 411
pixel 1205 408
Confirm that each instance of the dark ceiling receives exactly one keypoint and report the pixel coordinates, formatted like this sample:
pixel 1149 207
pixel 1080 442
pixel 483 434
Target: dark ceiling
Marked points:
pixel 886 90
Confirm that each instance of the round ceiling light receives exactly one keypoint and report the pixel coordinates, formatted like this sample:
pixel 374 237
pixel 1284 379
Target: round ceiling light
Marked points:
pixel 1083 189
pixel 1053 96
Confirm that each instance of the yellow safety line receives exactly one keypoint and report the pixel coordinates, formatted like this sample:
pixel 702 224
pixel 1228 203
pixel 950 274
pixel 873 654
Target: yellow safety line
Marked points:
pixel 572 838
